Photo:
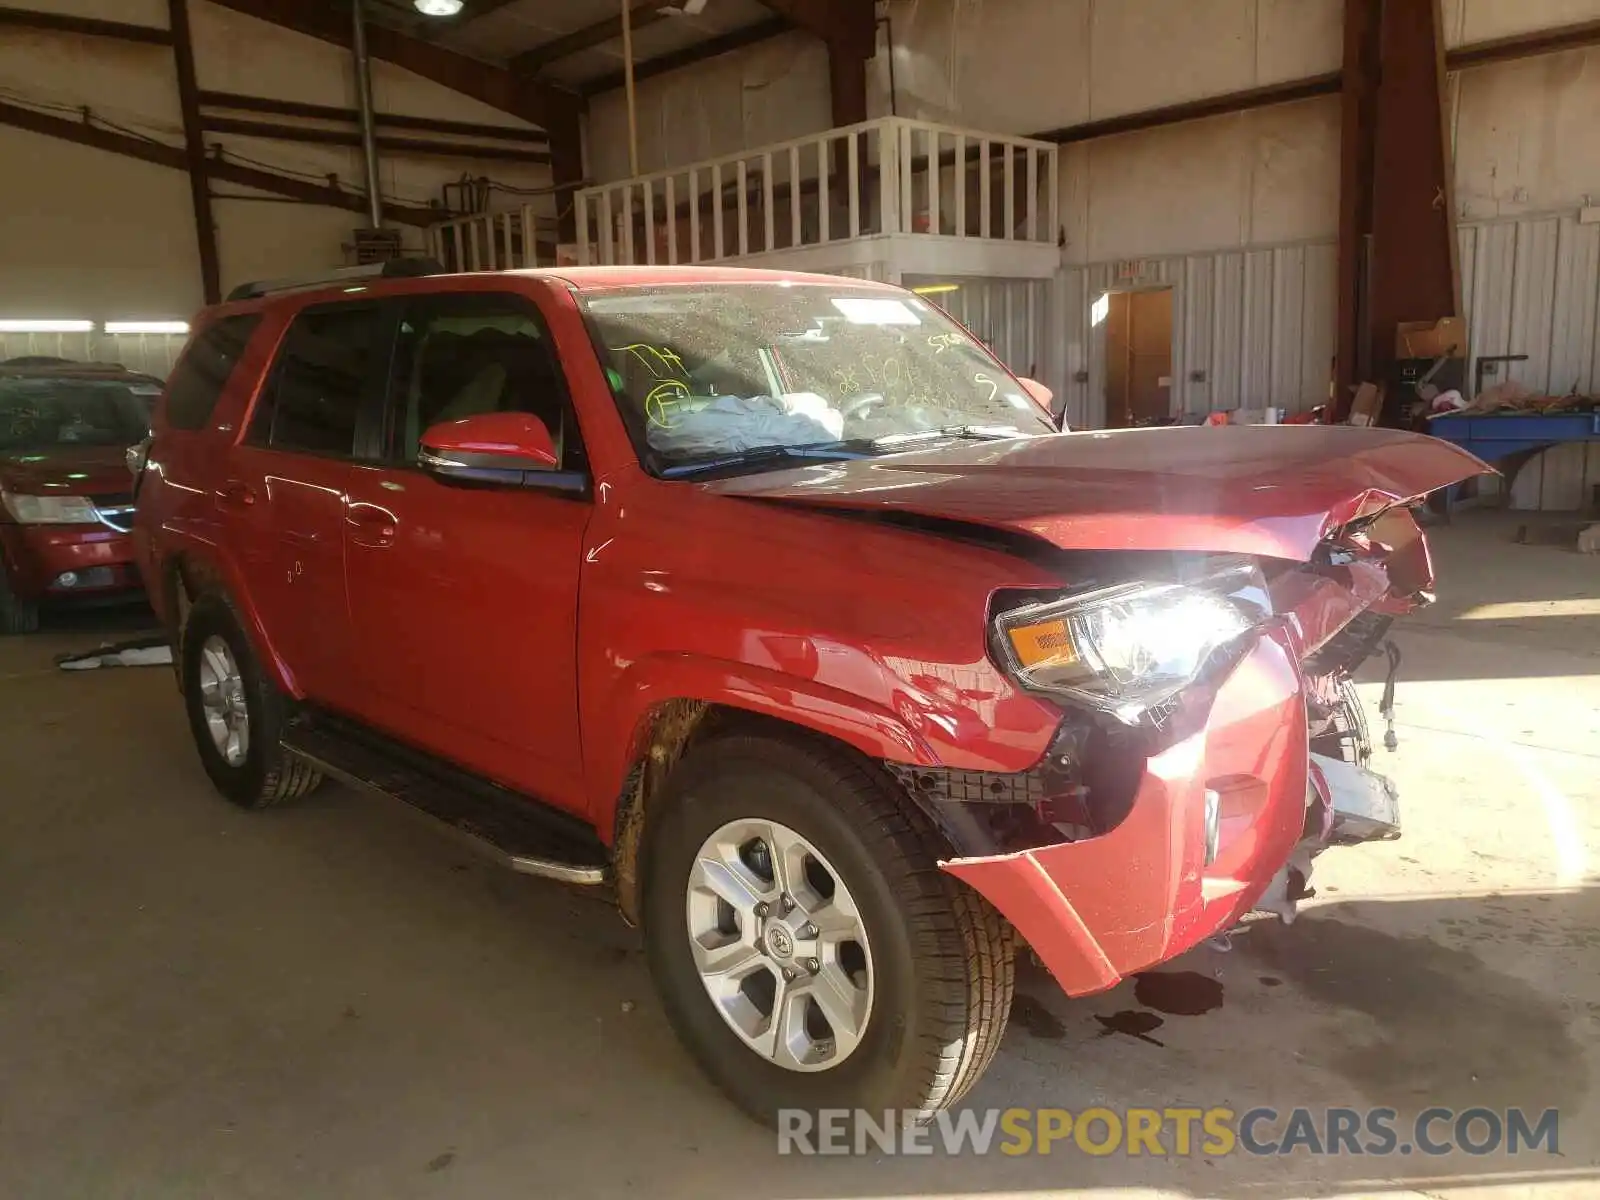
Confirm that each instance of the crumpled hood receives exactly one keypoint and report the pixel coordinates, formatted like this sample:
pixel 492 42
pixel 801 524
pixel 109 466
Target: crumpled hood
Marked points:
pixel 66 471
pixel 1269 490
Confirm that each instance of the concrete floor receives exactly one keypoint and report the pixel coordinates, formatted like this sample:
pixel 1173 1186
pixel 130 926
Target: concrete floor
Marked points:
pixel 333 1001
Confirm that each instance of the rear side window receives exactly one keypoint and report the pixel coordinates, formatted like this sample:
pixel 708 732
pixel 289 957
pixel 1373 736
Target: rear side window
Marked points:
pixel 329 365
pixel 197 381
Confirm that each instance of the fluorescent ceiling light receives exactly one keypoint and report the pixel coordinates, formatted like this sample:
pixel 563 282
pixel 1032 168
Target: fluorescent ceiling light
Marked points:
pixel 437 8
pixel 46 326
pixel 147 327
pixel 937 289
pixel 875 310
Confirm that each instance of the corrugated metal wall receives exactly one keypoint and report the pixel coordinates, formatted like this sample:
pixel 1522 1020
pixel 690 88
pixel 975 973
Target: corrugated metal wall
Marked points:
pixel 152 353
pixel 1251 328
pixel 1532 286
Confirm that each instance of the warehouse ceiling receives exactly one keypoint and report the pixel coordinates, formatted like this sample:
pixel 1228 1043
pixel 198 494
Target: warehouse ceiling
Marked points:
pixel 577 44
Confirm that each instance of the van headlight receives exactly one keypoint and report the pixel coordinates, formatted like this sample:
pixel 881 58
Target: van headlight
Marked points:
pixel 49 510
pixel 1126 649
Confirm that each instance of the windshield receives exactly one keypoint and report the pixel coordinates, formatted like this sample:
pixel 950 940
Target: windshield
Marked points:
pixel 48 414
pixel 713 372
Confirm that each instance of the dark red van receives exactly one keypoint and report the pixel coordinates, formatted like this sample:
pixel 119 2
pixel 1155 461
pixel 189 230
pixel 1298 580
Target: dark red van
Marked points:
pixel 66 498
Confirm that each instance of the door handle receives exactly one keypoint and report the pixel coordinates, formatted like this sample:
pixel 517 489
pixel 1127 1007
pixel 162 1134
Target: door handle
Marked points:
pixel 371 526
pixel 236 494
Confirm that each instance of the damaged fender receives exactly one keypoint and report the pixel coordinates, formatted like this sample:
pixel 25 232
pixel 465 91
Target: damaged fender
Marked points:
pixel 1099 909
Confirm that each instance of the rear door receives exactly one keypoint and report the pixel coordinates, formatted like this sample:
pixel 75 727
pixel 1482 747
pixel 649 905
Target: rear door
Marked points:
pixel 284 497
pixel 183 444
pixel 464 598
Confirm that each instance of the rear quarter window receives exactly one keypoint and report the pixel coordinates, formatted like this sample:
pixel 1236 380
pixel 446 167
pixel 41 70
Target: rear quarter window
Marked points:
pixel 197 382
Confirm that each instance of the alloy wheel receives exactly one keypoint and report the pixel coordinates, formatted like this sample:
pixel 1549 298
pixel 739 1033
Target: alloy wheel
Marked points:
pixel 222 700
pixel 780 945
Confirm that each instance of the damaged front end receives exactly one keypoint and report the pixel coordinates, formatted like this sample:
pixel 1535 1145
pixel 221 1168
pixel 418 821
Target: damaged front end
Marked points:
pixel 1346 805
pixel 1181 797
pixel 1342 605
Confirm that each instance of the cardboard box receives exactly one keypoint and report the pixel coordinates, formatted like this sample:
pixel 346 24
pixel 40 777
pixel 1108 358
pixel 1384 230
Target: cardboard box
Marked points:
pixel 1367 407
pixel 1431 339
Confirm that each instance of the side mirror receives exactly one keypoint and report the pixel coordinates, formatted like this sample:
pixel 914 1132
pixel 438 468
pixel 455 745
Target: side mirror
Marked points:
pixel 504 447
pixel 1045 399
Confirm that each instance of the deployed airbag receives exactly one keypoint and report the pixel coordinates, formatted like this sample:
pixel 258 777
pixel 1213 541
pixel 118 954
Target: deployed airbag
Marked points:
pixel 732 424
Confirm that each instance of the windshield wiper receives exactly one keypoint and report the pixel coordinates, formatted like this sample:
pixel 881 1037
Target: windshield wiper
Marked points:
pixel 838 451
pixel 979 433
pixel 762 455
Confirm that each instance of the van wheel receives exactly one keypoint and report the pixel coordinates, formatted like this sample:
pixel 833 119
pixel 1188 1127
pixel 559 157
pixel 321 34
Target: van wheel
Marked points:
pixel 236 713
pixel 16 614
pixel 808 950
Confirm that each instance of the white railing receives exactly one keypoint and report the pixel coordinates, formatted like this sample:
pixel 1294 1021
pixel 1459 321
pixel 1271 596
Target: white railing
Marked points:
pixel 501 241
pixel 894 176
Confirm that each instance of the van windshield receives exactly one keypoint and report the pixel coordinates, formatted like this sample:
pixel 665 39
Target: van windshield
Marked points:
pixel 722 374
pixel 52 413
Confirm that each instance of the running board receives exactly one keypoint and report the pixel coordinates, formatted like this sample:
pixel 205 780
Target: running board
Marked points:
pixel 524 834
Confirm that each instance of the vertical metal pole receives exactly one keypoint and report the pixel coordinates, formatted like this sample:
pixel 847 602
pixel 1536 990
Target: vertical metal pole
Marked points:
pixel 195 151
pixel 1414 267
pixel 627 75
pixel 1357 172
pixel 369 137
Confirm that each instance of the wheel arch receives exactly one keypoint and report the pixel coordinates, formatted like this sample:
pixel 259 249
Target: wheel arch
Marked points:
pixel 664 735
pixel 189 574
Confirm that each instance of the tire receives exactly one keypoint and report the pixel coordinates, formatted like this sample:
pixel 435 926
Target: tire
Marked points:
pixel 941 958
pixel 264 774
pixel 16 614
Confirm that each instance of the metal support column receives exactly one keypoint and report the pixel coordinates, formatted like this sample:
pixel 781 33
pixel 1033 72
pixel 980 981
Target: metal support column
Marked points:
pixel 1414 270
pixel 1397 239
pixel 195 151
pixel 369 131
pixel 1357 143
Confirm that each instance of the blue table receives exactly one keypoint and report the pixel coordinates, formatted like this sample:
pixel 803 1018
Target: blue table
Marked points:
pixel 1497 438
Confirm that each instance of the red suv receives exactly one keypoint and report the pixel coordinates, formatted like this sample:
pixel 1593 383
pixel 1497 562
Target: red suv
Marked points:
pixel 775 603
pixel 65 500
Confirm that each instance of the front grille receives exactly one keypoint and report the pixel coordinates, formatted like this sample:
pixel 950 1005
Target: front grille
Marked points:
pixel 1351 646
pixel 1082 787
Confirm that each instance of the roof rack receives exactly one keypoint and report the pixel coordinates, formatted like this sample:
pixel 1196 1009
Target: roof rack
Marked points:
pixel 394 268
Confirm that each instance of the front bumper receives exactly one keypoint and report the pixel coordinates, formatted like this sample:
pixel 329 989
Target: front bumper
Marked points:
pixel 1099 909
pixel 1349 806
pixel 1361 805
pixel 95 560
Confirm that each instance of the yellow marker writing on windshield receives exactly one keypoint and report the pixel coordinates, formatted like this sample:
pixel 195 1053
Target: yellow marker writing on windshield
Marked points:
pixel 664 402
pixel 659 361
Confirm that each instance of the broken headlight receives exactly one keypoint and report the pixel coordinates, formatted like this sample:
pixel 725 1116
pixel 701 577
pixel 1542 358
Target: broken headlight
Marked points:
pixel 1129 648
